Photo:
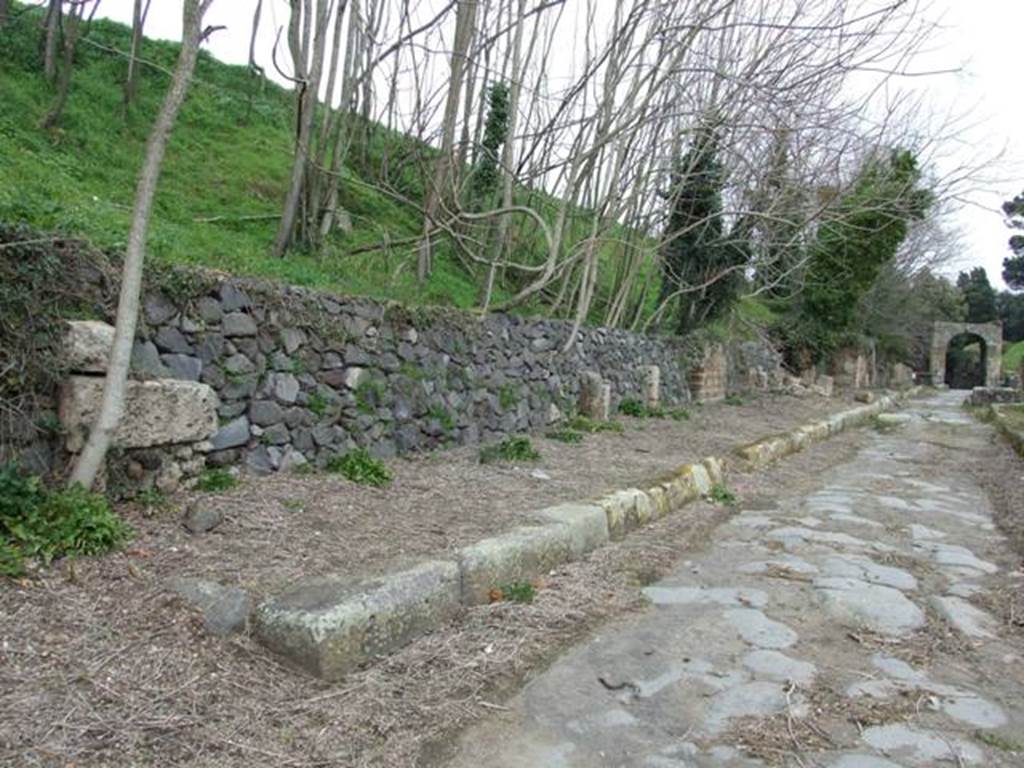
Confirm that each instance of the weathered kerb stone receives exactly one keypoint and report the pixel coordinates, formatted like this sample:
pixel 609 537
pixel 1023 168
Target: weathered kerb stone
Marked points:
pixel 156 412
pixel 521 555
pixel 87 346
pixel 330 625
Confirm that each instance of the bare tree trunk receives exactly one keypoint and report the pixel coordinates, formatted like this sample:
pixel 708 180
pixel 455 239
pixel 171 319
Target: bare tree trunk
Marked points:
pixel 53 14
pixel 5 9
pixel 72 29
pixel 257 75
pixel 508 153
pixel 91 459
pixel 465 22
pixel 308 88
pixel 131 82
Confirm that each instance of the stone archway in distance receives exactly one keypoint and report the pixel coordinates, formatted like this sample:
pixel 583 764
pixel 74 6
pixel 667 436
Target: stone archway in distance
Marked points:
pixel 991 335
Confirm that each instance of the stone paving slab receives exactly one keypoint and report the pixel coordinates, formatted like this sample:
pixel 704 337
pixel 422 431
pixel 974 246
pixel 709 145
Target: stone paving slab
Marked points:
pixel 852 598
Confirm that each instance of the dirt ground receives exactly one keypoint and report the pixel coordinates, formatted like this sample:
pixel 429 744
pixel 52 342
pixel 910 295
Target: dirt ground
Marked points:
pixel 100 666
pixel 285 527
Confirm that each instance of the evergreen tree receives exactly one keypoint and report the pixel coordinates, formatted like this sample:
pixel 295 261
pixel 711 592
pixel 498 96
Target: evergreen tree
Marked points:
pixel 698 260
pixel 485 176
pixel 978 294
pixel 1013 266
pixel 853 244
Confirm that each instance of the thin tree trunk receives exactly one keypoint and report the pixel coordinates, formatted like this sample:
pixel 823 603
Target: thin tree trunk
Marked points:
pixel 257 76
pixel 465 23
pixel 53 14
pixel 72 29
pixel 131 82
pixel 304 131
pixel 89 462
pixel 508 154
pixel 5 8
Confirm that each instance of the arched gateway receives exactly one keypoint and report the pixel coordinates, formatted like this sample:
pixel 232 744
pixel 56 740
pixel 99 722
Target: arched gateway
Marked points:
pixel 990 336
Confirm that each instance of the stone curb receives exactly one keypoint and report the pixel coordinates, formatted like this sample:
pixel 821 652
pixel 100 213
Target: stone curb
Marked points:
pixel 328 626
pixel 1013 436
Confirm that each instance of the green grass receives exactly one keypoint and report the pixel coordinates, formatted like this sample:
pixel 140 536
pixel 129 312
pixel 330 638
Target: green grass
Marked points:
pixel 222 161
pixel 1013 356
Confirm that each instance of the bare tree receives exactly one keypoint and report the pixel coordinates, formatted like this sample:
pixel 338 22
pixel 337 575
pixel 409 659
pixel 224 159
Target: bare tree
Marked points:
pixel 90 461
pixel 307 63
pixel 465 25
pixel 140 10
pixel 72 29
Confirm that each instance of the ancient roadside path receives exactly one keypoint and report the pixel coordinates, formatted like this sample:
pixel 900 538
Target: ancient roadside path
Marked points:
pixel 838 628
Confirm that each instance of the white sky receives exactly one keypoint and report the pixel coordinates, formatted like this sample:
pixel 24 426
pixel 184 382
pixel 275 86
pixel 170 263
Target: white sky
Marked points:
pixel 981 38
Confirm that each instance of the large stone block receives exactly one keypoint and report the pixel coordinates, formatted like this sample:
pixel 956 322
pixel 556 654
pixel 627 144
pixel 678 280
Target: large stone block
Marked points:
pixel 521 555
pixel 156 412
pixel 328 626
pixel 587 525
pixel 87 346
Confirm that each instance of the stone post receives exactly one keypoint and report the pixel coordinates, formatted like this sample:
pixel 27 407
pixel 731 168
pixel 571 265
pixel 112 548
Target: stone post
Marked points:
pixel 651 376
pixel 595 396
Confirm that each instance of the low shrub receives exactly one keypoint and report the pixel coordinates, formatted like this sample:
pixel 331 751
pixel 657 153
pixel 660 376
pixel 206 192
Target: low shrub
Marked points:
pixel 360 467
pixel 36 522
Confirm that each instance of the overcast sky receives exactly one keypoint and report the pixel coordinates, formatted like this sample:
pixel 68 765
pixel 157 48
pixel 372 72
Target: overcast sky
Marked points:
pixel 980 38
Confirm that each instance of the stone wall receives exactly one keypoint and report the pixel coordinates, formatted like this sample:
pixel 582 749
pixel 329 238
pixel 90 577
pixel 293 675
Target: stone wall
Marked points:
pixel 302 376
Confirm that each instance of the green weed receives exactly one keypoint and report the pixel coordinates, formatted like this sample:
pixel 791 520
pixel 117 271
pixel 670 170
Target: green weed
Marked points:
pixel 565 435
pixel 733 400
pixel 360 467
pixel 720 494
pixel 587 424
pixel 679 414
pixel 217 480
pixel 317 403
pixel 516 592
pixel 517 448
pixel 36 522
pixel 507 397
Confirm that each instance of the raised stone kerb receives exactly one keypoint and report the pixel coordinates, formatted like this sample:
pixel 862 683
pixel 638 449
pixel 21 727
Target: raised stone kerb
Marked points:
pixel 161 412
pixel 330 625
pixel 521 555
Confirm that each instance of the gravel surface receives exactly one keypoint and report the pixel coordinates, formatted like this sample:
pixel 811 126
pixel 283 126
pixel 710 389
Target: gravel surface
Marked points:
pixel 100 666
pixel 285 527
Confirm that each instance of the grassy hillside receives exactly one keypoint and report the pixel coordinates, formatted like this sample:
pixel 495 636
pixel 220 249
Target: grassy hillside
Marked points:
pixel 226 159
pixel 1013 356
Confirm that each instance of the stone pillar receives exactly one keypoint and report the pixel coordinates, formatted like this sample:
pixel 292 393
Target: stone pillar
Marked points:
pixel 651 375
pixel 595 396
pixel 707 382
